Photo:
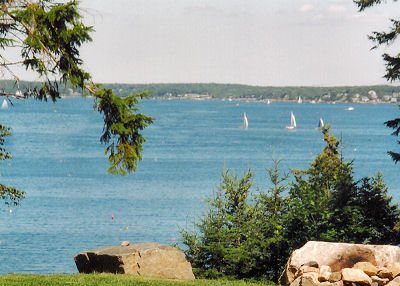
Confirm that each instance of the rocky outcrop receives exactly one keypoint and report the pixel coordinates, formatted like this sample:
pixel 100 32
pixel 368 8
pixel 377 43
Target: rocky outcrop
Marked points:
pixel 148 259
pixel 342 264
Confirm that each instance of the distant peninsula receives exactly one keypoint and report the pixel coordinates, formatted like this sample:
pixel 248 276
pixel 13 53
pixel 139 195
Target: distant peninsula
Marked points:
pixel 216 91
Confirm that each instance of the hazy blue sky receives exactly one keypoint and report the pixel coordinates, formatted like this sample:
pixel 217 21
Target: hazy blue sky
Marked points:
pixel 258 42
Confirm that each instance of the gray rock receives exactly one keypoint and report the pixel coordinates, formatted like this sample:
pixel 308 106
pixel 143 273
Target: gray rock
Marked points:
pixel 148 259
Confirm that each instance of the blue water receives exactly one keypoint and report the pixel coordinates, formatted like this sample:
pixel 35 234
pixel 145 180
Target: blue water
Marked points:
pixel 60 163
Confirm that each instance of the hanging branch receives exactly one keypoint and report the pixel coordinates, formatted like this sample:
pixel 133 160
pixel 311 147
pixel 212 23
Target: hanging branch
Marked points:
pixel 50 37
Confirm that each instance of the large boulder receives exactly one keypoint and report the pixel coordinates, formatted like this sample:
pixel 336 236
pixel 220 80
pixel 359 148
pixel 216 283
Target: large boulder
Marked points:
pixel 339 256
pixel 148 259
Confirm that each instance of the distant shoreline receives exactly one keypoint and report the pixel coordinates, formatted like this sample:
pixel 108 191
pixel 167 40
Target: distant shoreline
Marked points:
pixel 266 101
pixel 374 94
pixel 243 100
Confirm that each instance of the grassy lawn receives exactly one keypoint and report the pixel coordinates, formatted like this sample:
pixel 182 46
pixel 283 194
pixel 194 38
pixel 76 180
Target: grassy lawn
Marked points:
pixel 107 279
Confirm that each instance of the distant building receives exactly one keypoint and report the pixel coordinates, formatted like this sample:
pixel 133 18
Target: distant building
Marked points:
pixel 364 99
pixel 372 94
pixel 197 96
pixel 386 97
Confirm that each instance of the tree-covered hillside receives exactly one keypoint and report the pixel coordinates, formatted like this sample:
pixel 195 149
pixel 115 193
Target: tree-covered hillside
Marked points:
pixel 357 94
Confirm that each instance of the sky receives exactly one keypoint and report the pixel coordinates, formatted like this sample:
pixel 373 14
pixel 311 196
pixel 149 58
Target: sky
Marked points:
pixel 256 42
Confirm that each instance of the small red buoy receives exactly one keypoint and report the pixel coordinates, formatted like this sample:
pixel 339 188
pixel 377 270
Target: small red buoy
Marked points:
pixel 112 217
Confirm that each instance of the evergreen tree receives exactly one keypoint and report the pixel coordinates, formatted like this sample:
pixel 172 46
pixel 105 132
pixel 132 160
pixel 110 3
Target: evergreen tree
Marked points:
pixel 380 217
pixel 392 62
pixel 326 203
pixel 269 222
pixel 223 245
pixel 251 236
pixel 240 235
pixel 47 35
pixel 322 199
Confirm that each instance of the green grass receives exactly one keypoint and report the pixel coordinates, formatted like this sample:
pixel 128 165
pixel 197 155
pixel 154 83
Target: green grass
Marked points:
pixel 108 279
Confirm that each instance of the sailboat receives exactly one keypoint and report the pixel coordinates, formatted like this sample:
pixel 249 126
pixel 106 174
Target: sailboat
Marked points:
pixel 268 102
pixel 4 105
pixel 245 122
pixel 292 121
pixel 320 124
pixel 299 100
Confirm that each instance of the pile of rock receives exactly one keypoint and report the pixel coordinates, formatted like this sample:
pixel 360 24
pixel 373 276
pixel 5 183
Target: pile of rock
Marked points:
pixel 336 264
pixel 362 273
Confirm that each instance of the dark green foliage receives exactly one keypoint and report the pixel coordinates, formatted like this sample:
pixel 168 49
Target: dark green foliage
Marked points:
pixel 240 235
pixel 362 4
pixel 323 199
pixel 380 216
pixel 48 36
pixel 269 223
pixel 326 203
pixel 223 246
pixel 4 132
pixel 120 118
pixel 392 62
pixel 394 124
pixel 10 195
pixel 245 235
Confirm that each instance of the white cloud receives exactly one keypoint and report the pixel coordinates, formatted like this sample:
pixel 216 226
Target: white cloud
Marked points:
pixel 337 9
pixel 305 8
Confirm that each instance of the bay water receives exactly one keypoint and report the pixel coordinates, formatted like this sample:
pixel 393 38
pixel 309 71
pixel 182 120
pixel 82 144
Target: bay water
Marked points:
pixel 72 204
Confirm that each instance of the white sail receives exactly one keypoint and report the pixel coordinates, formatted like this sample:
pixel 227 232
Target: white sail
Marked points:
pixel 245 121
pixel 299 100
pixel 268 102
pixel 320 124
pixel 292 120
pixel 4 105
pixel 293 124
